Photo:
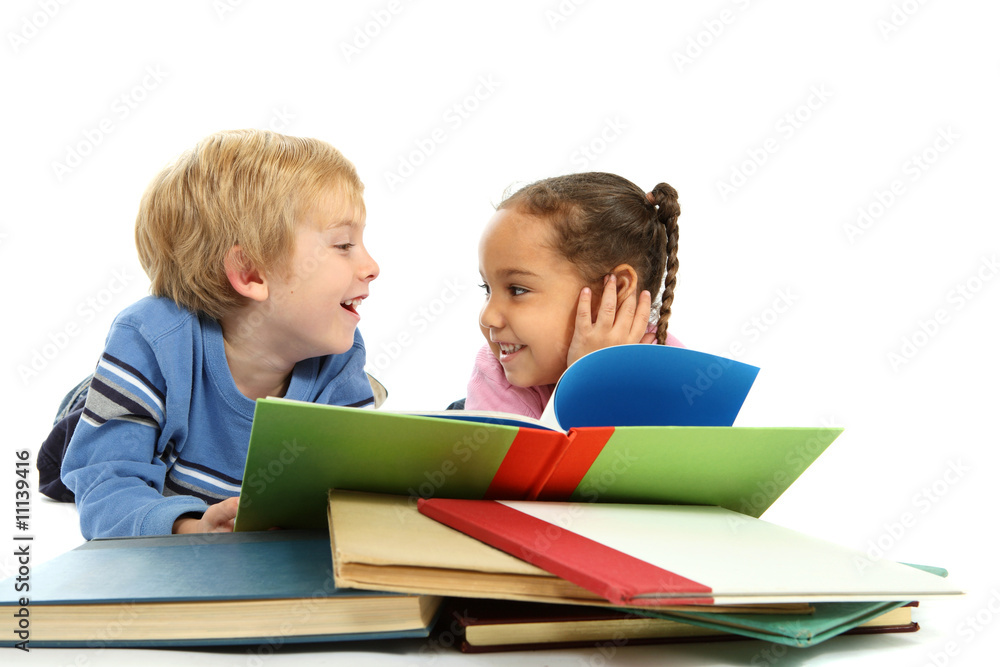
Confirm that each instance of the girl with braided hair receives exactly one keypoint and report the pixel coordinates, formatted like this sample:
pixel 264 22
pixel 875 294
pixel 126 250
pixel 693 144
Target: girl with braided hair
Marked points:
pixel 569 265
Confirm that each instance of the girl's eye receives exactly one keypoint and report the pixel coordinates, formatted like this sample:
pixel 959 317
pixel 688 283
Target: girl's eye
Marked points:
pixel 517 291
pixel 485 287
pixel 344 246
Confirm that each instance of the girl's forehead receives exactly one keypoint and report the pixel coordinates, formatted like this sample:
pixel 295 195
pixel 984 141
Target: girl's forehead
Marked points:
pixel 519 246
pixel 510 235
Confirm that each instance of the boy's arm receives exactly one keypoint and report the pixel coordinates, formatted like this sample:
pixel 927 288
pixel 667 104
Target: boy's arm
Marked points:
pixel 117 480
pixel 116 462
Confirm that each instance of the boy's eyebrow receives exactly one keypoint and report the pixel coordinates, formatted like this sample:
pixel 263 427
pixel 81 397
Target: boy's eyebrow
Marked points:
pixel 346 222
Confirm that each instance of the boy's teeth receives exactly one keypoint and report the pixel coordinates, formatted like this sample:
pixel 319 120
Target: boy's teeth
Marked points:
pixel 353 302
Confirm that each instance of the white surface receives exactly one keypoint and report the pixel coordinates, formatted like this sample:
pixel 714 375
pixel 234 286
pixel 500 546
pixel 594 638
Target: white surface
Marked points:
pixel 769 275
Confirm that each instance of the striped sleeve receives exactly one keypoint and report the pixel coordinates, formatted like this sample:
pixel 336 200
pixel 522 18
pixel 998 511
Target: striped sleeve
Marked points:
pixel 117 460
pixel 195 479
pixel 120 391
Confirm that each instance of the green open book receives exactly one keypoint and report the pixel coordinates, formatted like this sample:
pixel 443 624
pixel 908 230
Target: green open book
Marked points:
pixel 298 451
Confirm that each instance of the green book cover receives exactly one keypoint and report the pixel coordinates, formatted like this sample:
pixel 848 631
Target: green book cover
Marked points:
pixel 298 451
pixel 743 469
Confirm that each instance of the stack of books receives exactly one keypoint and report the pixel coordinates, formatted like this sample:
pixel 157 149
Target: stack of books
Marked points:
pixel 630 511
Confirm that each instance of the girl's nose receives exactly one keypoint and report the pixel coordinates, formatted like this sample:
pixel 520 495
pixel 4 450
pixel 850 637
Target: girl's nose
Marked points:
pixel 489 316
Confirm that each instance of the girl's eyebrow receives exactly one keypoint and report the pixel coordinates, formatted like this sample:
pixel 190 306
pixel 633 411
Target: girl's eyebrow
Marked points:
pixel 517 273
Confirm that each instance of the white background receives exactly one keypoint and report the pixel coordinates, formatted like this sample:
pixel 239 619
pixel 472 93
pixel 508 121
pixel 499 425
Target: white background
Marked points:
pixel 807 111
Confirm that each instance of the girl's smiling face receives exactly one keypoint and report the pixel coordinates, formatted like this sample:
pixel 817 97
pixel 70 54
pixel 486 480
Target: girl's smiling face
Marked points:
pixel 531 297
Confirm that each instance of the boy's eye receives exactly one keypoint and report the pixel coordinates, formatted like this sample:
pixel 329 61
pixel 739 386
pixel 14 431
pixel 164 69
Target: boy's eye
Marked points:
pixel 517 291
pixel 485 287
pixel 344 246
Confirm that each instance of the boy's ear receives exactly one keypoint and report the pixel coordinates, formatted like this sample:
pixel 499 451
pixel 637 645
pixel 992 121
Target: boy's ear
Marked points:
pixel 626 280
pixel 244 278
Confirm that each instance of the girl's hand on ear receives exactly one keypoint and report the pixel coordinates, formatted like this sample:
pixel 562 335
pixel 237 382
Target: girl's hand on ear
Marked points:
pixel 614 325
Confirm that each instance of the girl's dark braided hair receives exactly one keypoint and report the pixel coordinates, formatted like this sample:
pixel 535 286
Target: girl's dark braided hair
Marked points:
pixel 602 220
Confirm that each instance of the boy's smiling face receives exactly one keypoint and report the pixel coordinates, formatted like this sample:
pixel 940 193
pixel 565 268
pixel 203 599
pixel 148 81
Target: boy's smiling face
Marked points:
pixel 532 293
pixel 316 298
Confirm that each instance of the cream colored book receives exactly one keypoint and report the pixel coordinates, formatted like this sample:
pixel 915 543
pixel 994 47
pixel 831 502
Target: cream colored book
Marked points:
pixel 381 542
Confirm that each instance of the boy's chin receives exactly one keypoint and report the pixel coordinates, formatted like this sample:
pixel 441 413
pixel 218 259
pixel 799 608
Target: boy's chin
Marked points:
pixel 339 346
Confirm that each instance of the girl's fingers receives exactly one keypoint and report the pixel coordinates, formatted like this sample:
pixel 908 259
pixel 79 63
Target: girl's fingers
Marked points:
pixel 640 316
pixel 609 303
pixel 583 322
pixel 626 315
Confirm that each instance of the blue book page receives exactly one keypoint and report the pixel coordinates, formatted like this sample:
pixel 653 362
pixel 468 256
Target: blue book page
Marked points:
pixel 651 385
pixel 482 417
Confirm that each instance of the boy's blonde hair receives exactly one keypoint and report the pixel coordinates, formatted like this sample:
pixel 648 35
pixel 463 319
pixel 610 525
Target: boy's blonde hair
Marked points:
pixel 243 187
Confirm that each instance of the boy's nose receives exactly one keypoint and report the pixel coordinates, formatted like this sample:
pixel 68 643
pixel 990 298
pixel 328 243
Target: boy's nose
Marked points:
pixel 369 268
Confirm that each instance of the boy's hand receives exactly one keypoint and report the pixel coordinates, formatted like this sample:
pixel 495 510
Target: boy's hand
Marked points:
pixel 218 518
pixel 614 325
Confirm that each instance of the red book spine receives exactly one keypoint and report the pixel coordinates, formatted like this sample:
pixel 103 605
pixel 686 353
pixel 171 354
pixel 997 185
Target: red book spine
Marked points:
pixel 530 458
pixel 584 446
pixel 615 576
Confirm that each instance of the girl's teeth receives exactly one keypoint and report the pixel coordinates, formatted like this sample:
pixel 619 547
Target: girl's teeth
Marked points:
pixel 509 349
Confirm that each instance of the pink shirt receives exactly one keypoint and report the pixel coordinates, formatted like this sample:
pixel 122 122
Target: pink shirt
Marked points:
pixel 489 390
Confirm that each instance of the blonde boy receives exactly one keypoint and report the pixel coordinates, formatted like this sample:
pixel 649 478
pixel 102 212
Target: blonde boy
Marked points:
pixel 253 243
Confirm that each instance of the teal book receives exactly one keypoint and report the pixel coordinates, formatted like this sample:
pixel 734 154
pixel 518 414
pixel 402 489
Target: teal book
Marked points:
pixel 829 619
pixel 187 590
pixel 486 626
pixel 633 423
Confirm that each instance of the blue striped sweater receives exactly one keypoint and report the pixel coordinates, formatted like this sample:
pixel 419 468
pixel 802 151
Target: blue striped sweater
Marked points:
pixel 165 431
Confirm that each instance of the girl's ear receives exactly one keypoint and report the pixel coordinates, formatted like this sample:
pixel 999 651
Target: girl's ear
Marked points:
pixel 245 279
pixel 626 281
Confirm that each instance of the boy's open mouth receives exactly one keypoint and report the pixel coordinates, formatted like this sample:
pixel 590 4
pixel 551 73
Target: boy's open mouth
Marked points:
pixel 352 304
